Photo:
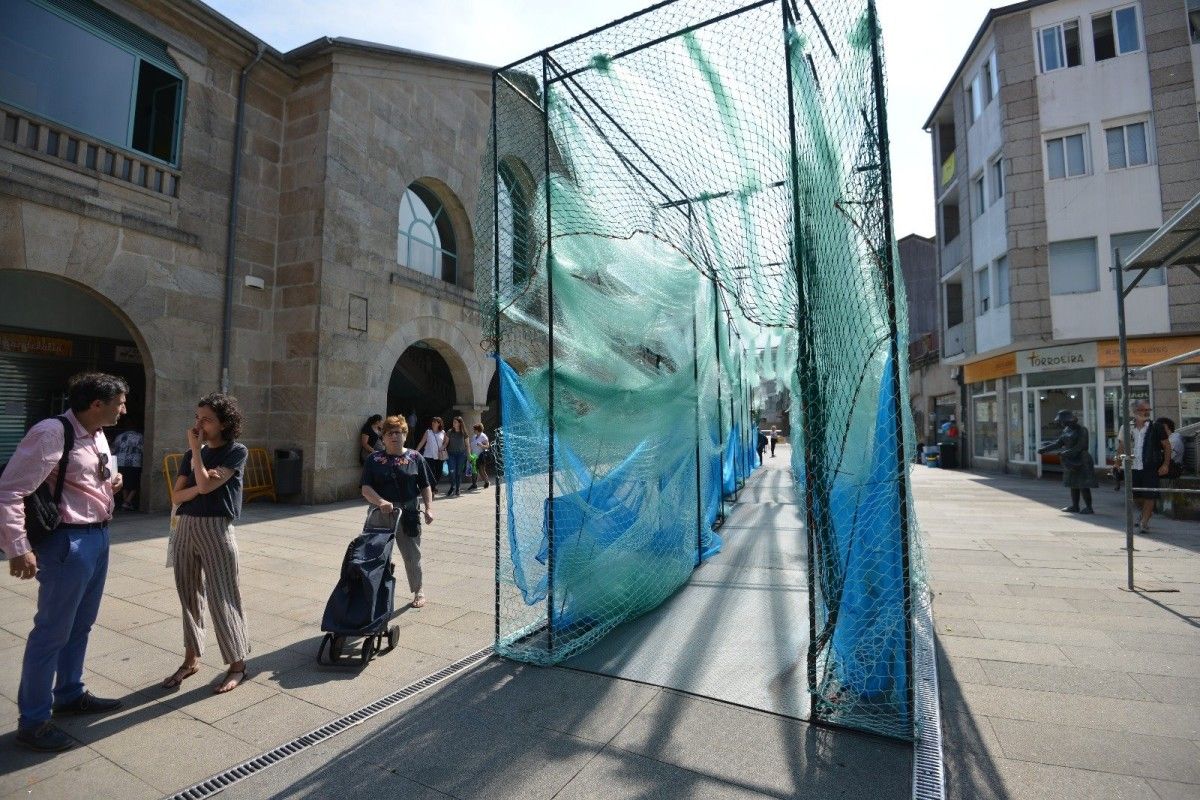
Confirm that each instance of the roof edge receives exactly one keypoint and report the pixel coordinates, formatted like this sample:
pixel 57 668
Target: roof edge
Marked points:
pixel 329 43
pixel 991 16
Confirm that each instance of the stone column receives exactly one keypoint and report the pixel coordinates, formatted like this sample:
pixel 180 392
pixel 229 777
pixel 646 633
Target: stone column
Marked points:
pixel 472 415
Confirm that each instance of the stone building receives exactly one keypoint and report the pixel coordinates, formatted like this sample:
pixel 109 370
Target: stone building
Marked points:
pixel 1067 134
pixel 321 271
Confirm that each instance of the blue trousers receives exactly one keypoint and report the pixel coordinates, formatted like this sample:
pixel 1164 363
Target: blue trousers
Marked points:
pixel 458 461
pixel 72 566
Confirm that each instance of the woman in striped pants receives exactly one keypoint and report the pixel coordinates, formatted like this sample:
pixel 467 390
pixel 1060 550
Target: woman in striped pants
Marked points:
pixel 209 493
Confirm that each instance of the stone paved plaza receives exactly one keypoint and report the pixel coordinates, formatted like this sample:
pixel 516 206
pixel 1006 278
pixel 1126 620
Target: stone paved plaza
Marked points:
pixel 1055 683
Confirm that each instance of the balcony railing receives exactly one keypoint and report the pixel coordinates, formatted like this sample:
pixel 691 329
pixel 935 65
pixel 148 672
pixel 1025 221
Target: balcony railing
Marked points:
pixel 55 142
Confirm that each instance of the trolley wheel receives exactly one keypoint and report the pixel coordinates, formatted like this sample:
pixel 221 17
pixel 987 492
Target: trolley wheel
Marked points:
pixel 337 648
pixel 326 642
pixel 393 636
pixel 368 649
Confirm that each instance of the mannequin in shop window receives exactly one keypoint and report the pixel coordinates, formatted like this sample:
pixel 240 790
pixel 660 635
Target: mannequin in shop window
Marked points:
pixel 1079 471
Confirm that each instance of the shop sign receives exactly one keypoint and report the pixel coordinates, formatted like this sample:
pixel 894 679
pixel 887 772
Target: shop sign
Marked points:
pixel 1054 359
pixel 1149 351
pixel 990 368
pixel 35 345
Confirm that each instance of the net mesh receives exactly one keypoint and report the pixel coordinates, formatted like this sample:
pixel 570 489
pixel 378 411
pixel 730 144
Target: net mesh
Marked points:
pixel 676 208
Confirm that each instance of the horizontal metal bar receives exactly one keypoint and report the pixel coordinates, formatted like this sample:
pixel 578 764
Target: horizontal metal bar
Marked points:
pixel 1166 362
pixel 668 37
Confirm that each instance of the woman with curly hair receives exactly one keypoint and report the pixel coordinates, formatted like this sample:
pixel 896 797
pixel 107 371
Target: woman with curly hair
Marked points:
pixel 209 493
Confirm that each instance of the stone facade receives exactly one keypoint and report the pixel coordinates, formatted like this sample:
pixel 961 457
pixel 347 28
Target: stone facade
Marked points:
pixel 334 133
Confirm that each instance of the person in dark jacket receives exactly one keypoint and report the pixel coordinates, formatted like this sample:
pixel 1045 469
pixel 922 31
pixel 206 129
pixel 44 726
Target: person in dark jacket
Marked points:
pixel 1079 471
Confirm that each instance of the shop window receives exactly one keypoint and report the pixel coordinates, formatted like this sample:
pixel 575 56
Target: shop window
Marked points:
pixel 1016 426
pixel 1058 46
pixel 1116 413
pixel 1189 395
pixel 1073 268
pixel 1124 244
pixel 1115 33
pixel 79 65
pixel 984 426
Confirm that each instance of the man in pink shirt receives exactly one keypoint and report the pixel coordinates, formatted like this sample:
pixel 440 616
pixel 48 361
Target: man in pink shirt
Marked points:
pixel 70 563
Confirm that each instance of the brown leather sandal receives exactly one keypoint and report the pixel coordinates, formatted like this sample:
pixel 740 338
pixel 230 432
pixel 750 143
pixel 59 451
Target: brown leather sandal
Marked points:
pixel 176 679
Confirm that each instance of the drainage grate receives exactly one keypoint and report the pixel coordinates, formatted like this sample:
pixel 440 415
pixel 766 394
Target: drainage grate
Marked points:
pixel 223 780
pixel 929 776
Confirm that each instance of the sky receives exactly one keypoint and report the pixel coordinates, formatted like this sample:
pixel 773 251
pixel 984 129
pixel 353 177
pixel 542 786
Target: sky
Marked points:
pixel 923 43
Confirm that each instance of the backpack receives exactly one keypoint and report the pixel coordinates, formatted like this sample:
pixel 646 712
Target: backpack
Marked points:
pixel 41 506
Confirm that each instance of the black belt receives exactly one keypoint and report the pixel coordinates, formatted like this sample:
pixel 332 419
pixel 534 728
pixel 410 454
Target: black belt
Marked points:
pixel 75 526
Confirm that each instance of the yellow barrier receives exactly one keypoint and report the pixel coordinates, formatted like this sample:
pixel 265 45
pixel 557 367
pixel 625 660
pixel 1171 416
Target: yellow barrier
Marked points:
pixel 258 479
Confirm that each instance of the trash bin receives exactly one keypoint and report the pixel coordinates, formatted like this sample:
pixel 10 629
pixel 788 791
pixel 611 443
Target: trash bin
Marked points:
pixel 289 468
pixel 948 455
pixel 930 453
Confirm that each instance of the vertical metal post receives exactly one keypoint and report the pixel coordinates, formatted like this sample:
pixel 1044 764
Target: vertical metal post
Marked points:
pixel 699 485
pixel 550 344
pixel 889 283
pixel 720 411
pixel 1126 425
pixel 496 327
pixel 803 366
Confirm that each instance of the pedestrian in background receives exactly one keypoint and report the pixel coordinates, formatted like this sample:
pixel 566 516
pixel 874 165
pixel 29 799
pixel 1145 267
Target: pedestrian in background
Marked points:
pixel 1079 470
pixel 70 562
pixel 431 447
pixel 370 437
pixel 128 446
pixel 456 451
pixel 1148 461
pixel 209 493
pixel 480 453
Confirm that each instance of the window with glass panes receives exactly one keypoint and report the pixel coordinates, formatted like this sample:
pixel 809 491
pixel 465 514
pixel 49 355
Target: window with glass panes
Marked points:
pixel 1127 145
pixel 1073 267
pixel 1058 46
pixel 983 291
pixel 1115 33
pixel 1066 156
pixel 984 421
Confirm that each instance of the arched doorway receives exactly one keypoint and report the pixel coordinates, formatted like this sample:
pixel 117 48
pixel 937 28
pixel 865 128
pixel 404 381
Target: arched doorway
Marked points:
pixel 53 329
pixel 421 383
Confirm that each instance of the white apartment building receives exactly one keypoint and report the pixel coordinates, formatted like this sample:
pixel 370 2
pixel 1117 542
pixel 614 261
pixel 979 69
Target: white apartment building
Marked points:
pixel 1069 132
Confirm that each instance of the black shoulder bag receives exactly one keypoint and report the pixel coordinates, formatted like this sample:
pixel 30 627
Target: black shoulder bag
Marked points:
pixel 41 507
pixel 410 518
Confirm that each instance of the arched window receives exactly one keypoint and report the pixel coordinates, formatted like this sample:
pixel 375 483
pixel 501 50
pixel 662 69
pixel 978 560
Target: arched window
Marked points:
pixel 513 218
pixel 426 238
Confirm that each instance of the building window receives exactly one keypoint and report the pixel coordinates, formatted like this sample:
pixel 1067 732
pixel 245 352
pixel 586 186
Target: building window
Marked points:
pixel 1193 11
pixel 119 86
pixel 426 239
pixel 1115 33
pixel 996 171
pixel 984 428
pixel 1058 46
pixel 1127 145
pixel 1066 156
pixel 1002 281
pixel 514 226
pixel 954 303
pixel 1126 243
pixel 982 89
pixel 949 222
pixel 1073 268
pixel 983 291
pixel 991 77
pixel 978 197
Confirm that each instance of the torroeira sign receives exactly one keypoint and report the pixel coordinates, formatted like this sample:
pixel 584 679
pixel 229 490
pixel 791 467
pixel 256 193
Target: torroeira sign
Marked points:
pixel 1052 359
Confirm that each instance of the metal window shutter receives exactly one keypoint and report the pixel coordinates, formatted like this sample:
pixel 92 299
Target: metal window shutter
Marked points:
pixel 115 27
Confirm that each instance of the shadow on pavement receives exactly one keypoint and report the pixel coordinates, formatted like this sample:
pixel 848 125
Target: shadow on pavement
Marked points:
pixel 969 766
pixel 509 730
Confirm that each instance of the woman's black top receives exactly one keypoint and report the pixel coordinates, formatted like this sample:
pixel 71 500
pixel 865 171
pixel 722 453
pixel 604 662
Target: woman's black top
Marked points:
pixel 456 441
pixel 397 479
pixel 374 440
pixel 225 501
